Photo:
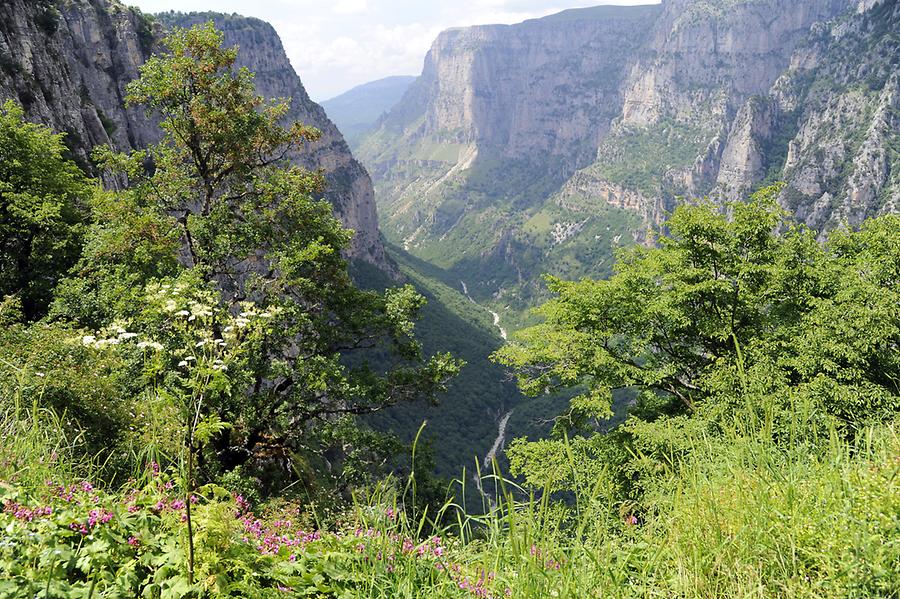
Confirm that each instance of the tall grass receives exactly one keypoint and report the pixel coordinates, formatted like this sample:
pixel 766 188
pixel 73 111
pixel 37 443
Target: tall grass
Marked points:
pixel 744 514
pixel 740 517
pixel 36 444
pixel 745 518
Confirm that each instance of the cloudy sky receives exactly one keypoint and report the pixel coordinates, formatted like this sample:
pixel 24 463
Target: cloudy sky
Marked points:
pixel 337 44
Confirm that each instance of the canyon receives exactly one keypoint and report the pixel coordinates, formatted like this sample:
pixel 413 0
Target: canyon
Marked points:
pixel 543 147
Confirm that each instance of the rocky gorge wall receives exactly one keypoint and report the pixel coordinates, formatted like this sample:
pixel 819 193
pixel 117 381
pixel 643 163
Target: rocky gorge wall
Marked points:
pixel 829 126
pixel 68 64
pixel 514 131
pixel 501 116
pixel 695 116
pixel 543 86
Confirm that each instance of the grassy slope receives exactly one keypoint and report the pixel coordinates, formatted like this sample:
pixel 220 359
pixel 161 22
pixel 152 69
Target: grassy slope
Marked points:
pixel 739 517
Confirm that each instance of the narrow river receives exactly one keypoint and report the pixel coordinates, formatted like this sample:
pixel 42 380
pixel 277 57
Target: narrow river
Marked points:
pixel 501 427
pixel 498 442
pixel 487 467
pixel 496 316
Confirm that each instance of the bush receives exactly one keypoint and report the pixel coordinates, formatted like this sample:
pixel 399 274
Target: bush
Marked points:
pixel 41 225
pixel 48 19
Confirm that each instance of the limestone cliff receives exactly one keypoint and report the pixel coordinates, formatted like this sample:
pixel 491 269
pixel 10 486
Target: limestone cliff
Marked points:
pixel 707 56
pixel 692 118
pixel 68 64
pixel 615 114
pixel 499 119
pixel 831 128
pixel 542 87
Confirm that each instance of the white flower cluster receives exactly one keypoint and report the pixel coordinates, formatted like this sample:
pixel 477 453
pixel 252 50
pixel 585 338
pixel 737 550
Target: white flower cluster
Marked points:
pixel 116 335
pixel 180 306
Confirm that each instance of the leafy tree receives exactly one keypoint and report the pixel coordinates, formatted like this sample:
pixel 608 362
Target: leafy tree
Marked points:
pixel 42 197
pixel 217 208
pixel 739 314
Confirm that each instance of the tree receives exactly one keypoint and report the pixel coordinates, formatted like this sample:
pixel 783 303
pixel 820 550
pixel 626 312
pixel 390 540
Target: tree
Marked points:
pixel 42 207
pixel 217 208
pixel 738 314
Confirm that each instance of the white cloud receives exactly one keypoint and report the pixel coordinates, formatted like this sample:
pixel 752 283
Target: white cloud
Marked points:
pixel 349 7
pixel 330 66
pixel 338 44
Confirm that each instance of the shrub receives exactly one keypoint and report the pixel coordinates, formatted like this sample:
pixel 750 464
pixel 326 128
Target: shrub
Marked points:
pixel 48 18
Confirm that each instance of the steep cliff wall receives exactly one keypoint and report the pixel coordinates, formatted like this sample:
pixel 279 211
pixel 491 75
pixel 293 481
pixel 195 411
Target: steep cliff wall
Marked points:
pixel 544 86
pixel 831 124
pixel 692 97
pixel 68 64
pixel 595 122
pixel 499 119
pixel 706 57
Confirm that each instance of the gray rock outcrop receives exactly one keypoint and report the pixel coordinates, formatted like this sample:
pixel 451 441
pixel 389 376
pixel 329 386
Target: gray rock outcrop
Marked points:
pixel 513 131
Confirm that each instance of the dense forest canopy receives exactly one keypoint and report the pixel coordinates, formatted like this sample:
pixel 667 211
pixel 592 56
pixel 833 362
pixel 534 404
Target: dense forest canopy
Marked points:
pixel 739 314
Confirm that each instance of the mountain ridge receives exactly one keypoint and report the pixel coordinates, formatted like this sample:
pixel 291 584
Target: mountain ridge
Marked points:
pixel 358 109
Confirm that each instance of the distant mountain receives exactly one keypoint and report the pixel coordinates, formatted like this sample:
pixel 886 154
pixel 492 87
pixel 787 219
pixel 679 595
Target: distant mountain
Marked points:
pixel 357 111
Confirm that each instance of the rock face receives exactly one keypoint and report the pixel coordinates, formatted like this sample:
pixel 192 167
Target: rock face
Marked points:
pixel 705 57
pixel 68 67
pixel 68 64
pixel 499 119
pixel 616 113
pixel 512 87
pixel 524 91
pixel 836 120
pixel 696 118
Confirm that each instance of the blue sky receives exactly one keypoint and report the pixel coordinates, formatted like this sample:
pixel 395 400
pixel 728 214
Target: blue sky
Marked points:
pixel 337 44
